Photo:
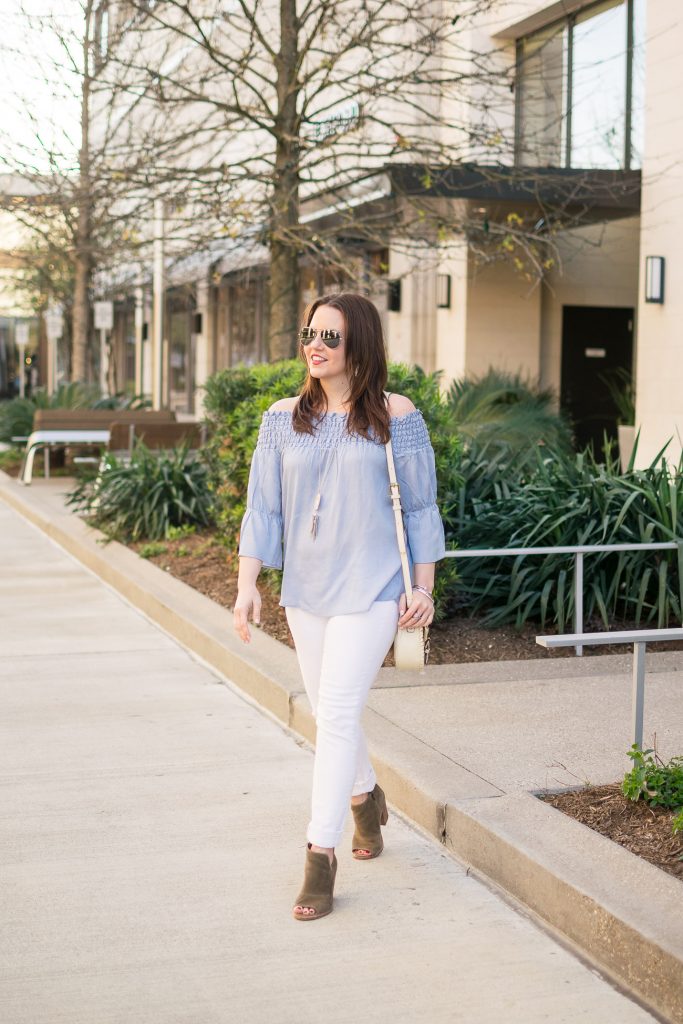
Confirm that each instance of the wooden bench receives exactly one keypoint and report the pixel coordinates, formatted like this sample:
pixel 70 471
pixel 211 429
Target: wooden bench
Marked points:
pixel 79 426
pixel 156 436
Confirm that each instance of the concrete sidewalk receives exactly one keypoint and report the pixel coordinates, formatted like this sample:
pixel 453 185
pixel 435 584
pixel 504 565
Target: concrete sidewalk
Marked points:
pixel 153 841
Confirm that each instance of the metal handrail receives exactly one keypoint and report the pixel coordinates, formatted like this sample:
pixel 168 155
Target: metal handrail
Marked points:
pixel 578 550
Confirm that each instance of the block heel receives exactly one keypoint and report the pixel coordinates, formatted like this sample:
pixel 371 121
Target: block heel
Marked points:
pixel 368 818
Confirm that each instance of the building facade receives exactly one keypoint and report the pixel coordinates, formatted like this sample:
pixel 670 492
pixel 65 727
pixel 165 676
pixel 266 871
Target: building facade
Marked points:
pixel 586 119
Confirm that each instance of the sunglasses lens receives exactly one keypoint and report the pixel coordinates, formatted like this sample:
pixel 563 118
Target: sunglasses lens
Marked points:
pixel 307 334
pixel 330 338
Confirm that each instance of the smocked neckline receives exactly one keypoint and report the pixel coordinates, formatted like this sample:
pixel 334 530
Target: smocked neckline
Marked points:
pixel 288 412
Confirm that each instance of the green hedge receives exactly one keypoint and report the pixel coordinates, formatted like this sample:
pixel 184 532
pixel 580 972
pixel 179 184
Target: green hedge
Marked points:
pixel 235 401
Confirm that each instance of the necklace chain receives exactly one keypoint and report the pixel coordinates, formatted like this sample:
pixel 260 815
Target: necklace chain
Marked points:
pixel 316 504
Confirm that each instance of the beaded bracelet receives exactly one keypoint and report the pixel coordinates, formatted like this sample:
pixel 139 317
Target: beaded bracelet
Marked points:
pixel 423 590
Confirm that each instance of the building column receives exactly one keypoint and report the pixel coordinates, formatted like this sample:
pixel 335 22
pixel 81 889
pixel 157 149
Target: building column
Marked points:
pixel 451 321
pixel 202 346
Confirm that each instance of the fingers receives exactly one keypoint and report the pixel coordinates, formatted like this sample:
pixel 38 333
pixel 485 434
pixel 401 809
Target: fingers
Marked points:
pixel 420 612
pixel 241 625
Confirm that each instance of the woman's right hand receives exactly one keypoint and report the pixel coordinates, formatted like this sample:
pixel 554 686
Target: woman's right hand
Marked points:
pixel 248 600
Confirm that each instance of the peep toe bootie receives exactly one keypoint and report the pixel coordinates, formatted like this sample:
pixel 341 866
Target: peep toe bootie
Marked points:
pixel 318 887
pixel 368 817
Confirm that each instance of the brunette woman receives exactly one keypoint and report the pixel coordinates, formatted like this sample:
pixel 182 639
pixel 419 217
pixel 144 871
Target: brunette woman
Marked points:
pixel 319 482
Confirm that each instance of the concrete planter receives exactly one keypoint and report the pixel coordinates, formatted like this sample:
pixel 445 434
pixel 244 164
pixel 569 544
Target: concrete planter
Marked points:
pixel 627 437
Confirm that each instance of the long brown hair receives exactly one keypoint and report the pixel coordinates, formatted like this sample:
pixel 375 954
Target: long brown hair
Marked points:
pixel 366 363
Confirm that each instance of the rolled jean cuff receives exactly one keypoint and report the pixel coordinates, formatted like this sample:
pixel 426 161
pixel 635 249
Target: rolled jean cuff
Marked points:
pixel 329 840
pixel 366 786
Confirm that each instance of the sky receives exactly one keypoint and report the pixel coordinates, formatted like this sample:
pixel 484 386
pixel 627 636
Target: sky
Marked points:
pixel 36 99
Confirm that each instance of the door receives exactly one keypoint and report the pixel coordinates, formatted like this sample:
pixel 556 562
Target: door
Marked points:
pixel 597 343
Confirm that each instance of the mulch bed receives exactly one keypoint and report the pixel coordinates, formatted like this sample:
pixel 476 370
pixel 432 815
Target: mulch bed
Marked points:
pixel 644 830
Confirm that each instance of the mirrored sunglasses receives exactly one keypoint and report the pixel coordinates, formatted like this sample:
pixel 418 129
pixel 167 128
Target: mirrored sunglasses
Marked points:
pixel 328 337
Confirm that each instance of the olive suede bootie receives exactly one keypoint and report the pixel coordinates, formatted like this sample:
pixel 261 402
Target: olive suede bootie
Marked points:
pixel 318 887
pixel 368 817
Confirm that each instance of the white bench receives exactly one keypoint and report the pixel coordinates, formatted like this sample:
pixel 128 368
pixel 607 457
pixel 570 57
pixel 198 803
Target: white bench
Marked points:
pixel 640 638
pixel 45 438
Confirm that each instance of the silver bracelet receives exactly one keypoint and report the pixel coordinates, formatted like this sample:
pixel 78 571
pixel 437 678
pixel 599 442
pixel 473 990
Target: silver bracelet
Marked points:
pixel 423 590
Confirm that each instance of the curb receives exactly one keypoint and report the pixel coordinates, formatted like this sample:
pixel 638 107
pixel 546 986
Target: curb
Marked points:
pixel 587 888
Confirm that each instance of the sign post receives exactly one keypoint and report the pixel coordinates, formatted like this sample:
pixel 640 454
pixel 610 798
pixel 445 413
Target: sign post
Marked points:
pixel 104 321
pixel 21 339
pixel 54 325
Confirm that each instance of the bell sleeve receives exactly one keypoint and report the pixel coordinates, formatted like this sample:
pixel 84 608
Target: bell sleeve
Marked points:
pixel 261 529
pixel 416 475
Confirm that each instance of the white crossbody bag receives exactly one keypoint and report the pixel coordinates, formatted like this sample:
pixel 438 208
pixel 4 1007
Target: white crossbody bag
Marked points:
pixel 411 646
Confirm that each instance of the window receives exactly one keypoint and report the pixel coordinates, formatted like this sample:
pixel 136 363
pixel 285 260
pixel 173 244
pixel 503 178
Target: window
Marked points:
pixel 580 85
pixel 101 33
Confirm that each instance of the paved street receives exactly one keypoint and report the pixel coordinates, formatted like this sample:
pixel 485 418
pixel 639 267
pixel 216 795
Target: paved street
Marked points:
pixel 152 844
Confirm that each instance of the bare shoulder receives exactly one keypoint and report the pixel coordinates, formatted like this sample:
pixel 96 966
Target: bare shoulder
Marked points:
pixel 284 404
pixel 399 405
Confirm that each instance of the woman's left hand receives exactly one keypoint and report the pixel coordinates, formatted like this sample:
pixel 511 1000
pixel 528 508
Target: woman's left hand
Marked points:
pixel 420 613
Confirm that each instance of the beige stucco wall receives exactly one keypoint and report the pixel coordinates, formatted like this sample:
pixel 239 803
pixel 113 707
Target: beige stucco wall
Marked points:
pixel 659 409
pixel 503 321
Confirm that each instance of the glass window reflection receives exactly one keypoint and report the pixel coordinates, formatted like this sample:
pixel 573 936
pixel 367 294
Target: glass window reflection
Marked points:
pixel 598 112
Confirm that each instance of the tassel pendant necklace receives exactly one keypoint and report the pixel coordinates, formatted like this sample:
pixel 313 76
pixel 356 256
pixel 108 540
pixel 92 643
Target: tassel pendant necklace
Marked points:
pixel 315 517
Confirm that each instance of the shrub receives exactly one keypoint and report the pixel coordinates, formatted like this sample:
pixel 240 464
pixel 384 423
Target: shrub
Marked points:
pixel 146 497
pixel 235 402
pixel 568 500
pixel 500 410
pixel 502 421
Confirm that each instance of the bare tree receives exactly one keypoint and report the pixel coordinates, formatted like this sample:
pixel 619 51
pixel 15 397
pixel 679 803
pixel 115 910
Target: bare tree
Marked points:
pixel 91 203
pixel 307 109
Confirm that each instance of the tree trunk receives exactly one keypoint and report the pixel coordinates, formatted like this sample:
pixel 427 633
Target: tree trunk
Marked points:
pixel 284 219
pixel 82 247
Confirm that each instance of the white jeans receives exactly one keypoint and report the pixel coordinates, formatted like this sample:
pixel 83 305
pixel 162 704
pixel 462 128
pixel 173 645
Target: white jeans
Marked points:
pixel 339 659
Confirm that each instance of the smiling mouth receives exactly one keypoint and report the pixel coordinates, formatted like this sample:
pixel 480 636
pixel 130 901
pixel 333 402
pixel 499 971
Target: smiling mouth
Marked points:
pixel 318 359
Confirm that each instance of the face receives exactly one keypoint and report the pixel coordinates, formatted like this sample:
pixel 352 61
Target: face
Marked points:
pixel 325 363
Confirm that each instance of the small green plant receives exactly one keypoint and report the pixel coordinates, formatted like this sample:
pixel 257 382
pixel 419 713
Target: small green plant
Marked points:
pixel 152 550
pixel 677 824
pixel 659 784
pixel 182 551
pixel 184 530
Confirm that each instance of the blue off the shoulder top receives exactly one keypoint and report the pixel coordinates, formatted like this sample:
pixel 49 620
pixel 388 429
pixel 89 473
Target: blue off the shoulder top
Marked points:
pixel 353 560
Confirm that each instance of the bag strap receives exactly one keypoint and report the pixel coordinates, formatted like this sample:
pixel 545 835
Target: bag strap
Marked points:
pixel 395 493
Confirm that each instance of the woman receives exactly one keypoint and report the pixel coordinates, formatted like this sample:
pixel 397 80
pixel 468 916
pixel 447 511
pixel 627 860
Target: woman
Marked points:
pixel 319 480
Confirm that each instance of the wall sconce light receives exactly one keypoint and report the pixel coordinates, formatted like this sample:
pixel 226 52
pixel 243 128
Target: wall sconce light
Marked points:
pixel 394 295
pixel 654 279
pixel 443 291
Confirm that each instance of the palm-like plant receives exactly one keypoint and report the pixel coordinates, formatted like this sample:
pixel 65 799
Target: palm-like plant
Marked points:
pixel 500 410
